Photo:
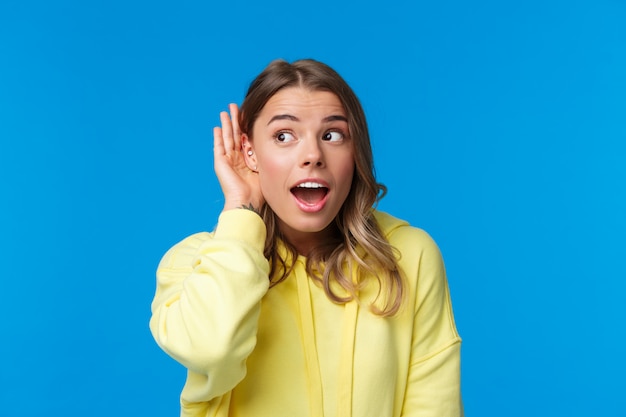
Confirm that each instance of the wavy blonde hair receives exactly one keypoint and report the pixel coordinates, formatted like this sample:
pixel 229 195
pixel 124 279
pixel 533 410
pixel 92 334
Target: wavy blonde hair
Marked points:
pixel 355 222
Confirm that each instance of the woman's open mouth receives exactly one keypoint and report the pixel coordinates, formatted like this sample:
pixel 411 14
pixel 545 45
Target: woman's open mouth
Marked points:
pixel 310 195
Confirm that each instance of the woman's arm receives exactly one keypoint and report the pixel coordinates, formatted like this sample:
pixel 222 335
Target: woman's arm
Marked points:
pixel 209 286
pixel 433 388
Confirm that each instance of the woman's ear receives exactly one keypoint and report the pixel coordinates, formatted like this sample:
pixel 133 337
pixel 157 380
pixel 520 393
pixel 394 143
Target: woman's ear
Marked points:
pixel 248 152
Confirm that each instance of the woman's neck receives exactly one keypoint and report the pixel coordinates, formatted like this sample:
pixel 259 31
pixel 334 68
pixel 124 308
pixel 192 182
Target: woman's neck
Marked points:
pixel 305 242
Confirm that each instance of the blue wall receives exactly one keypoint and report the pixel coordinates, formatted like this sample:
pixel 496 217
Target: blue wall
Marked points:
pixel 498 127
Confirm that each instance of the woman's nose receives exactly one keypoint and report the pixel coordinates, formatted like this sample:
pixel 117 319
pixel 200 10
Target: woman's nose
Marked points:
pixel 312 154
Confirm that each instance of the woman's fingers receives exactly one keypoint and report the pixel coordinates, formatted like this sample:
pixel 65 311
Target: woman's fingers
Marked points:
pixel 227 133
pixel 236 131
pixel 219 153
pixel 230 131
pixel 229 163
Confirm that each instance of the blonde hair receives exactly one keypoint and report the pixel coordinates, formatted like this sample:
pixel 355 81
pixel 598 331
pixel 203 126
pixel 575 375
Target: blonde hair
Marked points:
pixel 355 222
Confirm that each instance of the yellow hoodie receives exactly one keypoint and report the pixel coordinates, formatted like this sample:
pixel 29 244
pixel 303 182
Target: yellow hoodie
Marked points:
pixel 290 351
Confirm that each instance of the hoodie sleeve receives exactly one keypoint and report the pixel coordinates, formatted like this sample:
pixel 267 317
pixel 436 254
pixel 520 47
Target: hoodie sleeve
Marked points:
pixel 433 386
pixel 207 303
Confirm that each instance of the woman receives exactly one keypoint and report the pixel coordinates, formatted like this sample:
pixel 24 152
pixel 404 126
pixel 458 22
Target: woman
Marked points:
pixel 305 300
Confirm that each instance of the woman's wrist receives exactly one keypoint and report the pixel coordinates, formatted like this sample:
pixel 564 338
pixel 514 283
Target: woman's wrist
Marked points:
pixel 243 204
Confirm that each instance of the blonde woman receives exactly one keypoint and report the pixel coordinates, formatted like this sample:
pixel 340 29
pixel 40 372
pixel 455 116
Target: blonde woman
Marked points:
pixel 305 300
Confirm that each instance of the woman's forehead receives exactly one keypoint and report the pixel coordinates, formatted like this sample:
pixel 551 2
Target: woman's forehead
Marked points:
pixel 304 101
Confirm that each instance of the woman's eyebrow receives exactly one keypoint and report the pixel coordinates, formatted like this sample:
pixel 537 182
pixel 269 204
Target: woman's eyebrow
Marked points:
pixel 327 119
pixel 335 118
pixel 283 117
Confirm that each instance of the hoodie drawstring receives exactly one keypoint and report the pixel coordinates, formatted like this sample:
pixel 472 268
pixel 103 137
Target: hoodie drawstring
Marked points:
pixel 308 342
pixel 348 331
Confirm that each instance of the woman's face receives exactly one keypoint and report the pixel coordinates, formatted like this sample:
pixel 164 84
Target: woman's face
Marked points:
pixel 305 161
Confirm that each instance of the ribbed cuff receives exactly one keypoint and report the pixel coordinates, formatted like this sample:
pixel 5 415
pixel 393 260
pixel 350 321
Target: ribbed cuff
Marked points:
pixel 243 225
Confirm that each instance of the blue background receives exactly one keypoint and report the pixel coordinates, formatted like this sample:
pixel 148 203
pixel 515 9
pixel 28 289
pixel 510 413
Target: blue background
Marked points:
pixel 499 127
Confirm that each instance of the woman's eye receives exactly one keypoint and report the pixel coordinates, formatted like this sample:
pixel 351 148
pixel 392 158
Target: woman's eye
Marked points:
pixel 283 137
pixel 333 136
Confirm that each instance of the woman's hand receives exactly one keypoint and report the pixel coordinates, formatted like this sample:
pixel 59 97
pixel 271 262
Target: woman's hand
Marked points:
pixel 239 183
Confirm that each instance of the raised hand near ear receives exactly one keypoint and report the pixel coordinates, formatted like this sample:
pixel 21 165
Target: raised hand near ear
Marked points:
pixel 240 184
